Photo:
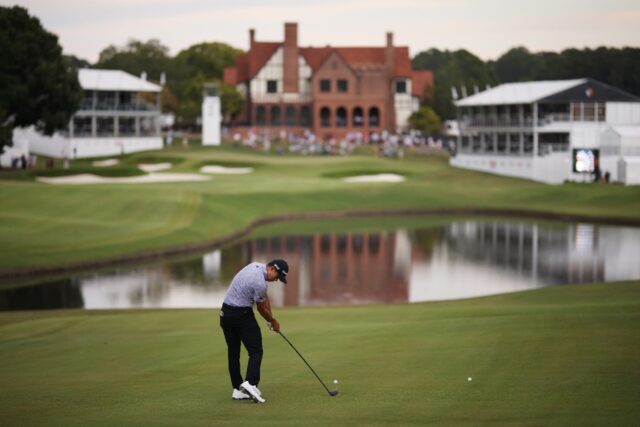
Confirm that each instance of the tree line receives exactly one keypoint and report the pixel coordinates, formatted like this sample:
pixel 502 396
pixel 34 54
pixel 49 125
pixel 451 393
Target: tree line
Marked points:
pixel 619 67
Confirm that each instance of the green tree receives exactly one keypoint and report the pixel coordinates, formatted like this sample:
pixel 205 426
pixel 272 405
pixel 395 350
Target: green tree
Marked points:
pixel 517 65
pixel 151 57
pixel 231 101
pixel 425 120
pixel 191 68
pixel 76 62
pixel 457 69
pixel 37 85
pixel 617 67
pixel 190 101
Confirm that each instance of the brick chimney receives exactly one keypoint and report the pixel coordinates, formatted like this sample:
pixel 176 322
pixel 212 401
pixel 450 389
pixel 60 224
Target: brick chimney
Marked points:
pixel 290 71
pixel 251 55
pixel 390 60
pixel 390 52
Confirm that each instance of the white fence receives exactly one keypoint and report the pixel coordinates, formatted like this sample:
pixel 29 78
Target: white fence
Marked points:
pixel 60 147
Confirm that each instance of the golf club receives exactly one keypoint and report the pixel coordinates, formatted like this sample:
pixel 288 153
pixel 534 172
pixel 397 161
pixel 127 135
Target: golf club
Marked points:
pixel 331 393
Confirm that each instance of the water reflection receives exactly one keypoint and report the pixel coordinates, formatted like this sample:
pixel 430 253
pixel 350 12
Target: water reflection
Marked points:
pixel 64 293
pixel 459 260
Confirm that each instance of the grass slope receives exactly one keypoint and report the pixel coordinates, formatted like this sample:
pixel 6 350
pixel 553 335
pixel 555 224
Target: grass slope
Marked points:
pixel 44 225
pixel 557 356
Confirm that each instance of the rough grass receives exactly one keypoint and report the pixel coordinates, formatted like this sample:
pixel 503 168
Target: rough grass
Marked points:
pixel 558 356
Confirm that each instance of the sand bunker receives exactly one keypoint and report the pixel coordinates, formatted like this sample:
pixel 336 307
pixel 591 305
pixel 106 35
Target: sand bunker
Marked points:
pixel 224 170
pixel 154 167
pixel 382 177
pixel 82 179
pixel 105 163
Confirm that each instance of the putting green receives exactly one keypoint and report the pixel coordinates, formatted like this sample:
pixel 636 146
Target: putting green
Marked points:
pixel 556 356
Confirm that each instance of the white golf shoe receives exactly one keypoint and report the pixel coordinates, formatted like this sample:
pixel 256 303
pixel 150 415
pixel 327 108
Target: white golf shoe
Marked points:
pixel 239 395
pixel 252 391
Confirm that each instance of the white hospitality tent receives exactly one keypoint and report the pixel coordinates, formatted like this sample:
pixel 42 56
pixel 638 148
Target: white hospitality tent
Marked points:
pixel 531 130
pixel 113 119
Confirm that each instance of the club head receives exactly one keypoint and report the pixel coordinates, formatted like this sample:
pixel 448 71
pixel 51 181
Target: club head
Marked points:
pixel 333 393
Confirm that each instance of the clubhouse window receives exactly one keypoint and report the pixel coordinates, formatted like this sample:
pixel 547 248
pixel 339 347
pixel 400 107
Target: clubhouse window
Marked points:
pixel 343 86
pixel 325 85
pixel 272 86
pixel 401 86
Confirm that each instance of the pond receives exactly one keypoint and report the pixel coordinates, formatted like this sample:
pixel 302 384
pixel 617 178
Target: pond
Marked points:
pixel 454 260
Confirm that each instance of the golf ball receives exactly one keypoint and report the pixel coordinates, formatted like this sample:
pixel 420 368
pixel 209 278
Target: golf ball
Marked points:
pixel 469 379
pixel 335 381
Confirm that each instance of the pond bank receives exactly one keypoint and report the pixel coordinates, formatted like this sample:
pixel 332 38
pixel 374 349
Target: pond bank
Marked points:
pixel 127 259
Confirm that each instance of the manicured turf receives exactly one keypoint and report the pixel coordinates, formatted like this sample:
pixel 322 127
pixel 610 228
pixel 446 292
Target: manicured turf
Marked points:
pixel 44 225
pixel 557 356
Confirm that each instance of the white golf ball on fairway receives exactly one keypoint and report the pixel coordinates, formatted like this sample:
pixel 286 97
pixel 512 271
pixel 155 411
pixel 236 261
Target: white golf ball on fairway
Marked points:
pixel 335 381
pixel 469 379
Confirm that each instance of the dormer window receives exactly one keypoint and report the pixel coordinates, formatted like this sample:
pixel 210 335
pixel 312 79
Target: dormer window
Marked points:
pixel 401 86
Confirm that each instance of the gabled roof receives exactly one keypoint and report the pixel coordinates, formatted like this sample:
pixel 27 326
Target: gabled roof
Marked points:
pixel 419 81
pixel 359 58
pixel 114 80
pixel 315 56
pixel 335 53
pixel 519 93
pixel 262 52
pixel 402 66
pixel 250 63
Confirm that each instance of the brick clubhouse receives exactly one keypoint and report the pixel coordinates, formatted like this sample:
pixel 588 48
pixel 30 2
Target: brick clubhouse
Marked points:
pixel 330 91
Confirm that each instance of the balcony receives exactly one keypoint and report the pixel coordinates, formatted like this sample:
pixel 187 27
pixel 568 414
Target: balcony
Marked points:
pixel 102 101
pixel 550 118
pixel 495 122
pixel 111 106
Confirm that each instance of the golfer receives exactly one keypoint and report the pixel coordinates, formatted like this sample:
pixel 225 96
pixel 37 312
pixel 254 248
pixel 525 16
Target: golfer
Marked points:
pixel 239 324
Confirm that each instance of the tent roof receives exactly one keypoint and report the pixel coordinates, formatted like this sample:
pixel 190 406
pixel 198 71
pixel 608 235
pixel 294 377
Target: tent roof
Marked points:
pixel 519 93
pixel 114 80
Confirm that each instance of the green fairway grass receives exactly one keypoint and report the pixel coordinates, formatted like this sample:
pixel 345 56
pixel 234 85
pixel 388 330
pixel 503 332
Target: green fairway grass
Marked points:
pixel 53 225
pixel 558 356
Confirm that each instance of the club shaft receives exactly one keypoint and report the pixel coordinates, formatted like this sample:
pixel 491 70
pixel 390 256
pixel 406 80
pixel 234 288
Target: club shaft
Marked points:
pixel 303 359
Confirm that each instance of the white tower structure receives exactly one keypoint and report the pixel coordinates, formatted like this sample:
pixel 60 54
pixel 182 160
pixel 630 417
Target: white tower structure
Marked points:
pixel 210 115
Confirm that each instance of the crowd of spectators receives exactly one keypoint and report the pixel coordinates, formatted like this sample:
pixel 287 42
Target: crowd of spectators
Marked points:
pixel 385 144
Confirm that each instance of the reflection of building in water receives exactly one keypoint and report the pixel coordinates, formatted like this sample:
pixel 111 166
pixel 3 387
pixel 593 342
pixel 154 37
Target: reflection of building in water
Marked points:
pixel 559 254
pixel 211 263
pixel 177 286
pixel 461 260
pixel 339 268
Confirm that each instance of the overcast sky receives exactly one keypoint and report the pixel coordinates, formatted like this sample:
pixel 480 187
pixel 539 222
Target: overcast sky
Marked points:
pixel 487 28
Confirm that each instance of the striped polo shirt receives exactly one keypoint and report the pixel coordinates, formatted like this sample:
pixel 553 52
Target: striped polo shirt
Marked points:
pixel 248 286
